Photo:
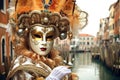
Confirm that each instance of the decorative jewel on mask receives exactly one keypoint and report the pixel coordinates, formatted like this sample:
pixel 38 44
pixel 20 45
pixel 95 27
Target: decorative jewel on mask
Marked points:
pixel 46 20
pixel 20 32
pixel 63 36
pixel 47 5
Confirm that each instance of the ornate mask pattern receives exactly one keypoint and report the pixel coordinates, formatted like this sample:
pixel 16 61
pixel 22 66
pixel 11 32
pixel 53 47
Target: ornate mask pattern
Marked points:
pixel 28 20
pixel 41 39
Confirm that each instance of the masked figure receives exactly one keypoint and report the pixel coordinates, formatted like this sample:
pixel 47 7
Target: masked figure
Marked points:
pixel 35 24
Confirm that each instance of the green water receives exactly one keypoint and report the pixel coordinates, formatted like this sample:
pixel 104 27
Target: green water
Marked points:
pixel 88 69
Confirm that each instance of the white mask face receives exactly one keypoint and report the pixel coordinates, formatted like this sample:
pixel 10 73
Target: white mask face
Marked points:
pixel 41 39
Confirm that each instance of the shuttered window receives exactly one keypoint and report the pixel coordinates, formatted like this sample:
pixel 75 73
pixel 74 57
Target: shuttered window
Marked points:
pixel 1 4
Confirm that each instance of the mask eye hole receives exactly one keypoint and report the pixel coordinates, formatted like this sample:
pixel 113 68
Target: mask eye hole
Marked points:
pixel 37 36
pixel 49 38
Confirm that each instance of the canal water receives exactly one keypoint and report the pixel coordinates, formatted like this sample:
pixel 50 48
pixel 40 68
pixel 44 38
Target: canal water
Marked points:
pixel 88 69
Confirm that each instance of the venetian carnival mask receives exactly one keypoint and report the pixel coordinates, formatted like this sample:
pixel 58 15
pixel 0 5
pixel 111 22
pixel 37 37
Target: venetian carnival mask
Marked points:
pixel 41 39
pixel 42 27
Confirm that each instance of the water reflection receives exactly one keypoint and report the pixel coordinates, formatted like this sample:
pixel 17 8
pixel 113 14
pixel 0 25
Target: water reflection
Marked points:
pixel 88 69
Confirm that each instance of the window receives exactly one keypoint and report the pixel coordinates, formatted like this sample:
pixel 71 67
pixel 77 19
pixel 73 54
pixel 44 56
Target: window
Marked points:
pixel 91 43
pixel 87 43
pixel 91 38
pixel 83 43
pixel 100 25
pixel 88 38
pixel 83 38
pixel 3 51
pixel 80 43
pixel 113 26
pixel 3 6
pixel 11 50
pixel 112 14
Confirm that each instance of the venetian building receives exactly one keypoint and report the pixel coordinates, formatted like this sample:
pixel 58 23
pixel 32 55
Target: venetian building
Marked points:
pixel 86 41
pixel 5 43
pixel 103 33
pixel 100 32
pixel 101 28
pixel 111 22
pixel 98 39
pixel 106 30
pixel 117 20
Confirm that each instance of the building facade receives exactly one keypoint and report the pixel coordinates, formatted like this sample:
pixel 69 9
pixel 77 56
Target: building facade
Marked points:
pixel 86 41
pixel 111 22
pixel 117 20
pixel 5 43
pixel 110 26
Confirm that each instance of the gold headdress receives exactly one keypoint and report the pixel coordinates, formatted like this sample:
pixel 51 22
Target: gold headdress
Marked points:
pixel 63 15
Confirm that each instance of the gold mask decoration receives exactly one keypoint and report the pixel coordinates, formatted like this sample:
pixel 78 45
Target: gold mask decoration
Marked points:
pixel 44 19
pixel 37 35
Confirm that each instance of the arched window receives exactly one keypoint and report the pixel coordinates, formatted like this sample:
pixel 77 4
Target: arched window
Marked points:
pixel 11 50
pixel 3 51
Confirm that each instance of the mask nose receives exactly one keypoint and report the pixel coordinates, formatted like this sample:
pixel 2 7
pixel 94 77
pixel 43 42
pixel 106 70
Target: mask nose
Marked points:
pixel 44 42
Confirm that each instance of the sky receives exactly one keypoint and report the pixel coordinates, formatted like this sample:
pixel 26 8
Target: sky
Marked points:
pixel 96 10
